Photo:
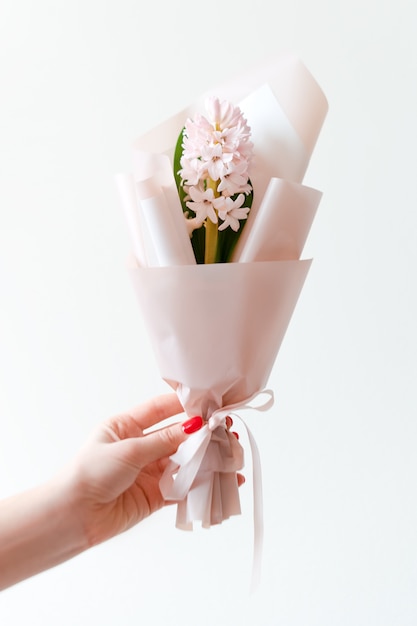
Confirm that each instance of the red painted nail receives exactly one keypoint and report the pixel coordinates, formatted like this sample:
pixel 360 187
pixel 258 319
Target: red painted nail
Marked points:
pixel 193 424
pixel 235 434
pixel 229 422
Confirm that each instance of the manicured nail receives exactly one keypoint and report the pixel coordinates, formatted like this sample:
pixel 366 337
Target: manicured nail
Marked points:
pixel 193 424
pixel 229 422
pixel 235 434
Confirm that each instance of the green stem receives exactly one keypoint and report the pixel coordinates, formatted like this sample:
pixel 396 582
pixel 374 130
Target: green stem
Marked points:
pixel 212 230
pixel 212 233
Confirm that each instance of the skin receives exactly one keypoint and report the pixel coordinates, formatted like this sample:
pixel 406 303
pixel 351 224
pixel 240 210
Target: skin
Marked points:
pixel 111 485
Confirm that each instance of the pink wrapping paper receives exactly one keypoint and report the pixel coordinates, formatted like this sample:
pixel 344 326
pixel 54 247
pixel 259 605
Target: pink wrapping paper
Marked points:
pixel 216 329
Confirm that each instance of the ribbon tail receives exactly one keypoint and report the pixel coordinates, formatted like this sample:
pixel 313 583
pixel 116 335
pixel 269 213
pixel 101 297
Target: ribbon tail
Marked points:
pixel 187 461
pixel 258 522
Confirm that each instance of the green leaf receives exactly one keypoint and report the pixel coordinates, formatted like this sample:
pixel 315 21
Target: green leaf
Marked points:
pixel 177 167
pixel 198 236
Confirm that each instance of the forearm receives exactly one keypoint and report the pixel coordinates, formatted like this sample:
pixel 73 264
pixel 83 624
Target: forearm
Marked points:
pixel 38 530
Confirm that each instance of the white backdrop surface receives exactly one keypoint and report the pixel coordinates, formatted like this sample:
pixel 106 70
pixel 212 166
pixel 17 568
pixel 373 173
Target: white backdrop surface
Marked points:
pixel 78 82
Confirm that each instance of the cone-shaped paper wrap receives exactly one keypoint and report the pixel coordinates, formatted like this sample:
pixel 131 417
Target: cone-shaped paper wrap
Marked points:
pixel 216 331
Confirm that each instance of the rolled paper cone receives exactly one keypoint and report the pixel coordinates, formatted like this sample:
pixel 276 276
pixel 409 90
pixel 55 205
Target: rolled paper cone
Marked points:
pixel 285 115
pixel 298 93
pixel 151 169
pixel 301 97
pixel 171 194
pixel 296 90
pixel 278 150
pixel 282 224
pixel 129 201
pixel 166 226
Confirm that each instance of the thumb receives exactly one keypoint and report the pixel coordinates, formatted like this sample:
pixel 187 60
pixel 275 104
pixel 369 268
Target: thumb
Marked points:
pixel 160 443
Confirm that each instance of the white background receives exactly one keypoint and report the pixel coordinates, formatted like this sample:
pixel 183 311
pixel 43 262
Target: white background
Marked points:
pixel 78 82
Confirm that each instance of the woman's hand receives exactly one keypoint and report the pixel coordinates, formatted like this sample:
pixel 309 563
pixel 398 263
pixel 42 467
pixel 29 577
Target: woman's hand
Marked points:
pixel 112 484
pixel 116 475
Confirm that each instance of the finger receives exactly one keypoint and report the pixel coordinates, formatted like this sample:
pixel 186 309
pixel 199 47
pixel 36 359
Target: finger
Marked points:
pixel 156 410
pixel 159 444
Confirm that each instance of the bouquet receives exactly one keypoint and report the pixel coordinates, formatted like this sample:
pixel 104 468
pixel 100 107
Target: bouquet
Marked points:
pixel 218 218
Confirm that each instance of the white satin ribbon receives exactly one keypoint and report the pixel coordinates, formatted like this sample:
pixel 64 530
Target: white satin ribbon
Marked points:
pixel 258 523
pixel 203 466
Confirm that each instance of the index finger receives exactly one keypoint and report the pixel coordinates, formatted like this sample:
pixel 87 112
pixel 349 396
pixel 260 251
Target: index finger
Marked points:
pixel 156 410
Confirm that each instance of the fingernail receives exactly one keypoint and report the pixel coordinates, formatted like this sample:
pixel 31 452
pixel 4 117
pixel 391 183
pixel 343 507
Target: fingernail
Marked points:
pixel 229 422
pixel 235 434
pixel 240 480
pixel 193 424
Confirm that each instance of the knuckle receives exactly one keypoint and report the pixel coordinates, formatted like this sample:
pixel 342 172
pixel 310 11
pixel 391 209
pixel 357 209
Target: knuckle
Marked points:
pixel 170 437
